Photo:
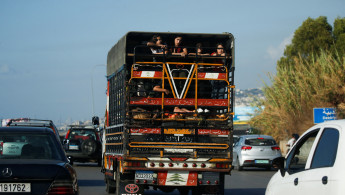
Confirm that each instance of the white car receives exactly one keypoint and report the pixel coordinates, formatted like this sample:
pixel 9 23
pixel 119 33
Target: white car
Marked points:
pixel 314 165
pixel 255 151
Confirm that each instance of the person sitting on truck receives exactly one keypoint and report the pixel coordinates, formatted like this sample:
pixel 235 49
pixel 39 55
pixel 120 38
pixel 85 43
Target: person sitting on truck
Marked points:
pixel 199 50
pixel 220 50
pixel 156 45
pixel 178 48
pixel 158 88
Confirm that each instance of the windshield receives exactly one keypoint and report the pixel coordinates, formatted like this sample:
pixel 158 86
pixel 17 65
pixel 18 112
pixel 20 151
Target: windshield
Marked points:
pixel 260 142
pixel 29 146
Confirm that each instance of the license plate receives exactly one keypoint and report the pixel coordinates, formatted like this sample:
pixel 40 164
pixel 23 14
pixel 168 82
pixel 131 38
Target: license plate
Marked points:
pixel 15 187
pixel 178 150
pixel 261 161
pixel 144 175
pixel 73 147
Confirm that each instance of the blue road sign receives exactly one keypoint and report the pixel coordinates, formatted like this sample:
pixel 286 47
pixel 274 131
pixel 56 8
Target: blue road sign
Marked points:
pixel 324 114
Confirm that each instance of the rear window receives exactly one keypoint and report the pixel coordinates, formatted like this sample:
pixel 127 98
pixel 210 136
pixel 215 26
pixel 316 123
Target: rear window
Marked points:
pixel 260 142
pixel 83 134
pixel 29 146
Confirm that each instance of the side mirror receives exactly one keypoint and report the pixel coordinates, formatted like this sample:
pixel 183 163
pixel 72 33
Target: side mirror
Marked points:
pixel 278 163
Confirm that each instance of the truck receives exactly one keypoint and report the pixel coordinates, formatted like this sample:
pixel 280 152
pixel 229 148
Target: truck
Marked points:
pixel 181 136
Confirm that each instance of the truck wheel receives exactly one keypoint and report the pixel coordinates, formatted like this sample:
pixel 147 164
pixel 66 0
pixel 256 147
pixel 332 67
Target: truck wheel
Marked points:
pixel 88 146
pixel 221 184
pixel 197 190
pixel 183 191
pixel 99 162
pixel 110 189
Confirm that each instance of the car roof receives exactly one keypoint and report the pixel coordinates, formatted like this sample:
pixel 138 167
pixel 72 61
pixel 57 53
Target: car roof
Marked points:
pixel 30 122
pixel 82 127
pixel 256 136
pixel 27 129
pixel 340 123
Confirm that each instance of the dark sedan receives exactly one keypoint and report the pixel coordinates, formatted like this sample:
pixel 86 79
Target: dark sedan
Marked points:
pixel 32 161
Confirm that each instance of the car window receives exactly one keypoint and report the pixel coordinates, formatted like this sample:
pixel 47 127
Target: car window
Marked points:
pixel 298 157
pixel 82 134
pixel 326 150
pixel 238 141
pixel 29 146
pixel 260 142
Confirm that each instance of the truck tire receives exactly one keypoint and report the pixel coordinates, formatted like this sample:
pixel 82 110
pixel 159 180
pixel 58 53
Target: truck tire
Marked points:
pixel 110 188
pixel 183 191
pixel 88 146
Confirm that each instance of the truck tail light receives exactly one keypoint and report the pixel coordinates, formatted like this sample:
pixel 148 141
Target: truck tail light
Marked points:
pixel 135 164
pixel 246 148
pixel 222 165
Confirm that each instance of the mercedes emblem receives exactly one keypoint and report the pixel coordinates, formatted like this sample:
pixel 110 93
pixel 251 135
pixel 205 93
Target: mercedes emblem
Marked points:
pixel 7 172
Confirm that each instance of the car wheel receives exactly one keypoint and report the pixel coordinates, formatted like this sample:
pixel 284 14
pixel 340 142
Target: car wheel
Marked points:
pixel 239 167
pixel 88 146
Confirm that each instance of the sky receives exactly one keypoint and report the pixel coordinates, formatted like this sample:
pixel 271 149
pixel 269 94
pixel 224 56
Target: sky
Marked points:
pixel 53 53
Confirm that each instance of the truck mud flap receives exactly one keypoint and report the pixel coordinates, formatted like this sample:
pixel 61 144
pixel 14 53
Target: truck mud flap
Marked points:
pixel 125 184
pixel 129 188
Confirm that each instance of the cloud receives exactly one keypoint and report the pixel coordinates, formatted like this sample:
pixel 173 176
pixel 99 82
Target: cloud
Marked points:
pixel 4 69
pixel 275 52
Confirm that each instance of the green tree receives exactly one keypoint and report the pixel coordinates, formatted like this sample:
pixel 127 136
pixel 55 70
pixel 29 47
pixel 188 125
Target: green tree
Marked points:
pixel 339 35
pixel 308 40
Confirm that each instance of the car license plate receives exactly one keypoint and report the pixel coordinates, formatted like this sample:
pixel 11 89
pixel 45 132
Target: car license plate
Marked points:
pixel 15 187
pixel 144 175
pixel 261 161
pixel 73 147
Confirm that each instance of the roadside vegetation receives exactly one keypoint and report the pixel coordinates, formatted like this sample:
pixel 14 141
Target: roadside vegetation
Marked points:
pixel 311 74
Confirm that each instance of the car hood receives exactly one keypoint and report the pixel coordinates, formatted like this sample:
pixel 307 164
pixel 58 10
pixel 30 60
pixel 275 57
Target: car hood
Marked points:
pixel 16 169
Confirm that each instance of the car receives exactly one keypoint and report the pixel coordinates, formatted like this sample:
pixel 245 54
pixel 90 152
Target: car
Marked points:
pixel 33 123
pixel 32 161
pixel 83 144
pixel 255 151
pixel 315 163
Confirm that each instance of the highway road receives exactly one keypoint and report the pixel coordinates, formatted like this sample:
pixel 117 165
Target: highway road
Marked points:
pixel 248 182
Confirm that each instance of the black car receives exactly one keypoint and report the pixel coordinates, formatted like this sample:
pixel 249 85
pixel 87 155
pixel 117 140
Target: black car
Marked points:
pixel 32 161
pixel 82 144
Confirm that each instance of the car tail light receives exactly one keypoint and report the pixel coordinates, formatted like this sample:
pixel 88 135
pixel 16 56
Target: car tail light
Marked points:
pixel 64 183
pixel 246 148
pixel 275 148
pixel 56 189
pixel 1 147
pixel 67 134
pixel 260 138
